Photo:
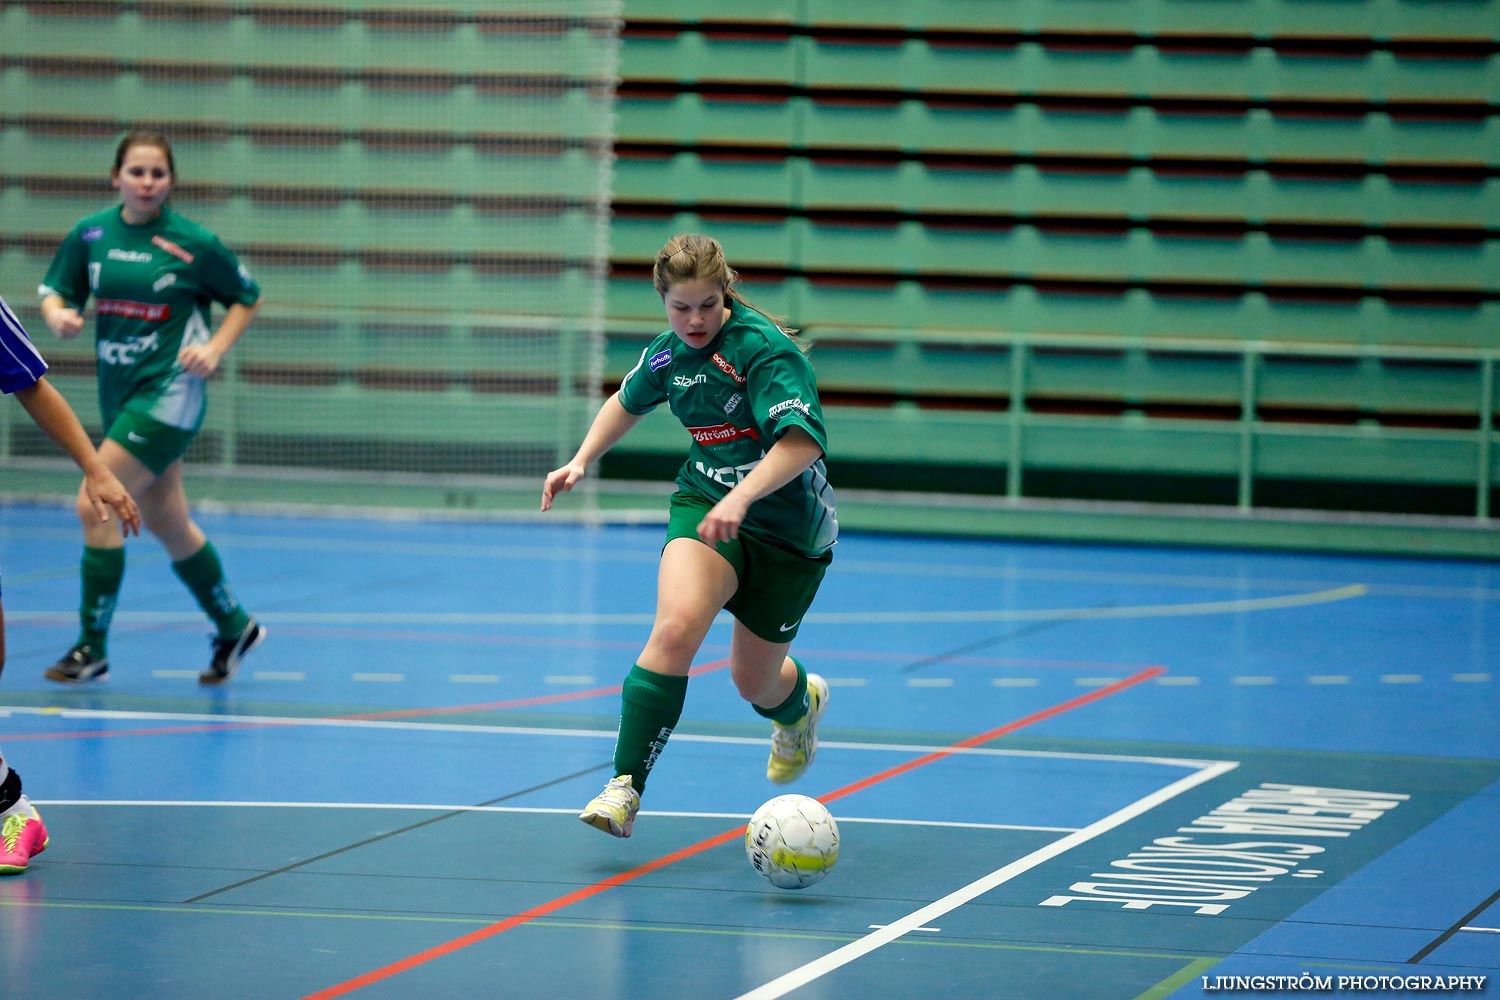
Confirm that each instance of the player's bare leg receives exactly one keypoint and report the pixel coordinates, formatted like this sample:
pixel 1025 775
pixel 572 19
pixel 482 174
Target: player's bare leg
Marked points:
pixel 781 690
pixel 102 570
pixel 693 583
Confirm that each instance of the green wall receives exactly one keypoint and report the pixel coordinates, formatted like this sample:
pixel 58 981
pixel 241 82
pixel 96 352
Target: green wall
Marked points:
pixel 1185 270
pixel 1239 258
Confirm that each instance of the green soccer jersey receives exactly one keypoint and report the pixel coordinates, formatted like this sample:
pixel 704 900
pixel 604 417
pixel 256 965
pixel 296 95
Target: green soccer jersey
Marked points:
pixel 153 287
pixel 736 396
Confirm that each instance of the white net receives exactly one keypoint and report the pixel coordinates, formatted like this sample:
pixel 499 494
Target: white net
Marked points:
pixel 423 196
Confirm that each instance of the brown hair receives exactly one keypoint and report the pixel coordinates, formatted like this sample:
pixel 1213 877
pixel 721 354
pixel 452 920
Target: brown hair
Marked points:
pixel 692 257
pixel 144 137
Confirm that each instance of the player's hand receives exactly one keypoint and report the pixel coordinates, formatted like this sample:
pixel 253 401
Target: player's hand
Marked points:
pixel 200 359
pixel 66 322
pixel 722 522
pixel 560 481
pixel 107 493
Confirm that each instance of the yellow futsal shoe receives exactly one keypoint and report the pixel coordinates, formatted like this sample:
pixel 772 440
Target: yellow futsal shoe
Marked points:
pixel 613 810
pixel 793 747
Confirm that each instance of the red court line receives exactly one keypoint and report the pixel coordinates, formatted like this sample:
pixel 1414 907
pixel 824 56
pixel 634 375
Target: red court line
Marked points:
pixel 587 892
pixel 993 734
pixel 398 713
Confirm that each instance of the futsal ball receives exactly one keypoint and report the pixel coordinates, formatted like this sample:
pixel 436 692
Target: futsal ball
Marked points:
pixel 793 841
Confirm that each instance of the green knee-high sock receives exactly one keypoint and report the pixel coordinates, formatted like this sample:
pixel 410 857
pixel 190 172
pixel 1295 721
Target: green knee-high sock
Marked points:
pixel 102 572
pixel 796 704
pixel 650 706
pixel 204 576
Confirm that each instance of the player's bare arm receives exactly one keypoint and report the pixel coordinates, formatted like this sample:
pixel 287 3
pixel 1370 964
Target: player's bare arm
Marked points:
pixel 792 454
pixel 62 319
pixel 57 420
pixel 611 424
pixel 203 359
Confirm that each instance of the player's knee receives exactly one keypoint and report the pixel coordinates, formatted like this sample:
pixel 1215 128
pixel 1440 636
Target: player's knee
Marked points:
pixel 676 633
pixel 166 522
pixel 84 508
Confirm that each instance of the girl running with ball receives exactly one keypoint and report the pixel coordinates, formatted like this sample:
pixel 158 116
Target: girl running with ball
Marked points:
pixel 751 527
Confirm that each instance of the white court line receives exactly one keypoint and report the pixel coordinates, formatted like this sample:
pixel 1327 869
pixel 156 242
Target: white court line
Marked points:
pixel 1482 930
pixel 385 618
pixel 230 722
pixel 551 811
pixel 818 968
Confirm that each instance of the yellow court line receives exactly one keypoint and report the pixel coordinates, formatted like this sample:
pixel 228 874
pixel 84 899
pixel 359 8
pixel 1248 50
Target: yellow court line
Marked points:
pixel 1237 606
pixel 1178 979
pixel 585 925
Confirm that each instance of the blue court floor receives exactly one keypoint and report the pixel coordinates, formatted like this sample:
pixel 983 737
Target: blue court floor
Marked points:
pixel 1059 771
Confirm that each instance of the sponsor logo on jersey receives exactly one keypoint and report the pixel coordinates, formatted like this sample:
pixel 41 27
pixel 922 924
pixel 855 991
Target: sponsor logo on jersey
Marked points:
pixel 657 360
pixel 727 368
pixel 789 404
pixel 172 248
pixel 92 234
pixel 133 256
pixel 127 352
pixel 151 312
pixel 165 281
pixel 687 381
pixel 733 403
pixel 245 279
pixel 727 475
pixel 721 433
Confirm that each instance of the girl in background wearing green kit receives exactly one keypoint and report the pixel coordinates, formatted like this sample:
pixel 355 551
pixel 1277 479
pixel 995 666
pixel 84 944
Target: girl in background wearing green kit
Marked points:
pixel 154 276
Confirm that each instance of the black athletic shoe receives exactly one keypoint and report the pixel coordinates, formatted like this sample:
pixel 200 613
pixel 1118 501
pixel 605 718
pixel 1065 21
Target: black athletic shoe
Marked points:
pixel 79 666
pixel 229 652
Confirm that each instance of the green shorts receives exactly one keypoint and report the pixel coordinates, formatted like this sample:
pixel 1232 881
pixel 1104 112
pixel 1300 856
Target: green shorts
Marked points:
pixel 155 444
pixel 776 586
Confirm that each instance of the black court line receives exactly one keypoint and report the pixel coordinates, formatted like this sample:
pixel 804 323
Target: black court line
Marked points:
pixel 1462 922
pixel 396 833
pixel 1024 630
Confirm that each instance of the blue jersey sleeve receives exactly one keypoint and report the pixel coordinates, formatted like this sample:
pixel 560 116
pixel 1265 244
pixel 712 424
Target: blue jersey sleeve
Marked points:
pixel 20 363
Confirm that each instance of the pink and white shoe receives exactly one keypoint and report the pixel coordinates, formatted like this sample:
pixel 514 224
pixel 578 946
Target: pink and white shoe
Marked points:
pixel 22 838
